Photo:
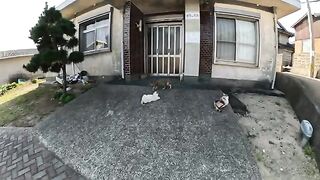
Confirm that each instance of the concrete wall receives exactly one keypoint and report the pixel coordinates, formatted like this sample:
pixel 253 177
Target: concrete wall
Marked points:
pixel 12 66
pixel 304 96
pixel 103 63
pixel 267 51
pixel 192 38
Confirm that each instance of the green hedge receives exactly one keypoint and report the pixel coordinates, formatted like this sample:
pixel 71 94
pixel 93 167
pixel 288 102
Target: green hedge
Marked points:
pixel 7 87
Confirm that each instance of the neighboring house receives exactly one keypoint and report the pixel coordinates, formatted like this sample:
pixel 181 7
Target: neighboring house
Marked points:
pixel 185 38
pixel 285 49
pixel 11 63
pixel 301 60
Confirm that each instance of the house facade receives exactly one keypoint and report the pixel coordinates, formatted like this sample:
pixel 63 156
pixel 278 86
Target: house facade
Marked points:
pixel 301 60
pixel 180 38
pixel 285 49
pixel 11 64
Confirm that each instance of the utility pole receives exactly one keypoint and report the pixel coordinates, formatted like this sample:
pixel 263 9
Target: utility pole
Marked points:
pixel 310 22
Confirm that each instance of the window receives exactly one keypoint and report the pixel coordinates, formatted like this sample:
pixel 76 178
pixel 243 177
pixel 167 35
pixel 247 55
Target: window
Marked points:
pixel 237 40
pixel 95 34
pixel 306 46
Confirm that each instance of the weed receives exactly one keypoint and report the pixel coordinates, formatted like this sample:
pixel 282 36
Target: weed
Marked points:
pixel 259 156
pixel 66 98
pixel 308 151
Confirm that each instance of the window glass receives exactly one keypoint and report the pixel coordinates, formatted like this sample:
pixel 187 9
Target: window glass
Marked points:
pixel 306 46
pixel 102 38
pixel 226 39
pixel 236 40
pixel 89 39
pixel 246 41
pixel 95 34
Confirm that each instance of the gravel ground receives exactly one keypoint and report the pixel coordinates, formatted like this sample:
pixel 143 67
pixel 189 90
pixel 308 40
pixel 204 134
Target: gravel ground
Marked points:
pixel 273 130
pixel 107 134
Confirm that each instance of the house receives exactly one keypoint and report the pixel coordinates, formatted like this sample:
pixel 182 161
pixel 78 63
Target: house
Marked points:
pixel 301 59
pixel 285 49
pixel 11 63
pixel 222 39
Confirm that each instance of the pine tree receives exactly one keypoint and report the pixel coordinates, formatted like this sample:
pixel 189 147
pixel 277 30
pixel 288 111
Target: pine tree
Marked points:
pixel 53 36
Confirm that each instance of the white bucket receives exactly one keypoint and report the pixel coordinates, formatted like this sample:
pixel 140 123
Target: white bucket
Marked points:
pixel 306 132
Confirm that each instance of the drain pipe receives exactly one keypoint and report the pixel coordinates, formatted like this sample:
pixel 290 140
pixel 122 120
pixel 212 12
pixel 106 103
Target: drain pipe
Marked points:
pixel 274 65
pixel 121 46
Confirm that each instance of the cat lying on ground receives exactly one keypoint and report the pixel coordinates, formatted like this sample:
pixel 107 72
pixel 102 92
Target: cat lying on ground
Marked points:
pixel 161 84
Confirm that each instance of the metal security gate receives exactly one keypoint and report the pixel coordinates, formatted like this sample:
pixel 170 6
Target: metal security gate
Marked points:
pixel 164 49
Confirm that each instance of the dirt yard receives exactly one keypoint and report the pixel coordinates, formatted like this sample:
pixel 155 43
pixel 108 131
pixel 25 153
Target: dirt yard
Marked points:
pixel 273 130
pixel 29 103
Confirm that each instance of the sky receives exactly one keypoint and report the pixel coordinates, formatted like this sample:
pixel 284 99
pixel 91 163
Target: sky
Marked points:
pixel 289 20
pixel 18 16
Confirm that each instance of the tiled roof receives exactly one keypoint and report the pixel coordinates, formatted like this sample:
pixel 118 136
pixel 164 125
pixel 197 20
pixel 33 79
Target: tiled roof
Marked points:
pixel 18 52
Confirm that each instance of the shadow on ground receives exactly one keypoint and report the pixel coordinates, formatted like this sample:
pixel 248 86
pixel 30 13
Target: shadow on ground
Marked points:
pixel 107 133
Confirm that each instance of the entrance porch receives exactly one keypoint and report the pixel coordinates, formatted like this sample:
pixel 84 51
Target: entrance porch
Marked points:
pixel 161 39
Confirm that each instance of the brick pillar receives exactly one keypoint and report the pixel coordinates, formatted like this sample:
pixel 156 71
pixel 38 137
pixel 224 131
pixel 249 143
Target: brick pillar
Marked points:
pixel 206 38
pixel 133 41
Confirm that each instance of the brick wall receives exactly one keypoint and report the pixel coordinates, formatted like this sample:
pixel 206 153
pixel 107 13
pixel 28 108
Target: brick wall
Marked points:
pixel 206 38
pixel 133 43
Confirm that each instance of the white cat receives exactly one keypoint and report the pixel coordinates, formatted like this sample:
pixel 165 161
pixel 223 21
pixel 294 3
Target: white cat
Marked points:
pixel 147 98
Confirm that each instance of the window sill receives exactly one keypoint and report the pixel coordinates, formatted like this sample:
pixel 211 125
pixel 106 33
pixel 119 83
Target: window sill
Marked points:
pixel 92 52
pixel 236 64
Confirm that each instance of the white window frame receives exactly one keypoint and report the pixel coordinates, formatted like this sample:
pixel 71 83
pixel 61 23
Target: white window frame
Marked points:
pixel 306 46
pixel 236 62
pixel 81 32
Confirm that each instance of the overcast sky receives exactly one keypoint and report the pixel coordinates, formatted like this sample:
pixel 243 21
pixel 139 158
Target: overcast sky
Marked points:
pixel 18 16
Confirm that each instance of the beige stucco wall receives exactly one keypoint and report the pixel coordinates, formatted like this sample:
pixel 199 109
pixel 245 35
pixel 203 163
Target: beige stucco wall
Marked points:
pixel 192 38
pixel 267 51
pixel 105 63
pixel 13 66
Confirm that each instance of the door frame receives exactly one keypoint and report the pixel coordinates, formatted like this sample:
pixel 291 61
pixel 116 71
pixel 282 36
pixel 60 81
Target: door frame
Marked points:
pixel 164 20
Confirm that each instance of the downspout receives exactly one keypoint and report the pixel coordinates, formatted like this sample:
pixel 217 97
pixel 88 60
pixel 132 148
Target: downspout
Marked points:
pixel 121 46
pixel 275 18
pixel 312 54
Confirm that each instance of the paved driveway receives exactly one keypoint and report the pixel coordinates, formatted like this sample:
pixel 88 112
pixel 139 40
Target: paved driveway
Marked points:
pixel 23 157
pixel 107 133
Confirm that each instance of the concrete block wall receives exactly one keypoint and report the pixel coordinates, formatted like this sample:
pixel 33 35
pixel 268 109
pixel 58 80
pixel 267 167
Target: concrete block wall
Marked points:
pixel 301 63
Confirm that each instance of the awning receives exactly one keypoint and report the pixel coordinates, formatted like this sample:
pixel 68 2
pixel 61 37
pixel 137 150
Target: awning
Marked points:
pixel 72 8
pixel 284 7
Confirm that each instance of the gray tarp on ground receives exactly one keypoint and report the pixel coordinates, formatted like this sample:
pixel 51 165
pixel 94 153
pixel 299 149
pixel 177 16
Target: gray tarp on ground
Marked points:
pixel 107 133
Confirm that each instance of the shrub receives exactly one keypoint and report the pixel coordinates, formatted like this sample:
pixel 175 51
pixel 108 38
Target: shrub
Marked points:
pixel 66 98
pixel 15 77
pixel 34 81
pixel 7 87
pixel 57 95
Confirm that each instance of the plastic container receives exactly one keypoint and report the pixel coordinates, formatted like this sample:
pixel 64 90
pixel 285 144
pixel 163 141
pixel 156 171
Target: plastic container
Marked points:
pixel 306 131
